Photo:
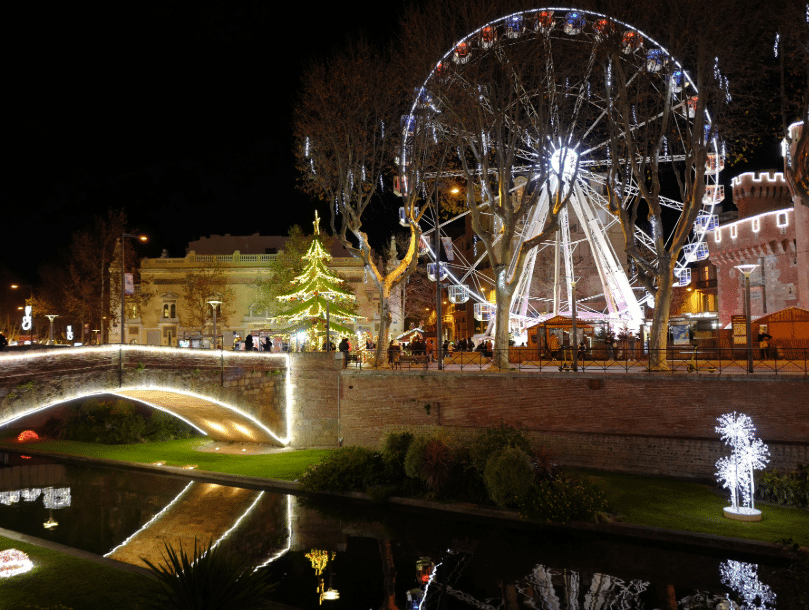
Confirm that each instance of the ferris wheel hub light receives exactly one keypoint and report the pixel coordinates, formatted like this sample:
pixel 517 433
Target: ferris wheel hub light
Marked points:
pixel 564 162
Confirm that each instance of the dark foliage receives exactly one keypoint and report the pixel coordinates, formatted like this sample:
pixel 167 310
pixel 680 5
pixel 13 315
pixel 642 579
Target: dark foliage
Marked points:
pixel 492 440
pixel 349 469
pixel 508 476
pixel 788 489
pixel 563 500
pixel 210 579
pixel 115 422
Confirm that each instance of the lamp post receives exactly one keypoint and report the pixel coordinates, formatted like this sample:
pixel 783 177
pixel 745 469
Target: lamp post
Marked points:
pixel 575 337
pixel 123 254
pixel 50 332
pixel 28 317
pixel 214 304
pixel 747 270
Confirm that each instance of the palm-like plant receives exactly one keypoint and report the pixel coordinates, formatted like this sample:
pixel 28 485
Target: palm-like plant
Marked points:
pixel 210 579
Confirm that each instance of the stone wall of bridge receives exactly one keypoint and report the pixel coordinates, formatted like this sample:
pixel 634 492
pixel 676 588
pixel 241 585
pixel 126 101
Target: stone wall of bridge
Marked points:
pixel 254 384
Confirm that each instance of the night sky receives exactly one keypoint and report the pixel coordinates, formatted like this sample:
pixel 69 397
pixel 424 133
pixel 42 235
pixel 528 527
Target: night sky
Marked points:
pixel 177 111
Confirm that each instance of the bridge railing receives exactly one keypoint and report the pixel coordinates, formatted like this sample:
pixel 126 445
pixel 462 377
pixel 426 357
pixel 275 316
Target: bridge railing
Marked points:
pixel 792 361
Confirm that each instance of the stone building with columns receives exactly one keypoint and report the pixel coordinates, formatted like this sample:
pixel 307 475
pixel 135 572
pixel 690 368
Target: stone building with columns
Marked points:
pixel 245 262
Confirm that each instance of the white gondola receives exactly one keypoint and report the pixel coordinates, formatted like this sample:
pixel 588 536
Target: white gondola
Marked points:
pixel 682 276
pixel 631 42
pixel 574 23
pixel 403 218
pixel 677 80
pixel 513 27
pixel 602 29
pixel 484 311
pixel 462 53
pixel 696 252
pixel 423 249
pixel 714 193
pixel 487 37
pixel 655 58
pixel 544 22
pixel 715 163
pixel 458 294
pixel 706 222
pixel 431 271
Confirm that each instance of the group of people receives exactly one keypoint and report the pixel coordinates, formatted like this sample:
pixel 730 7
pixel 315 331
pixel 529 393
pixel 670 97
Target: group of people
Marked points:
pixel 257 345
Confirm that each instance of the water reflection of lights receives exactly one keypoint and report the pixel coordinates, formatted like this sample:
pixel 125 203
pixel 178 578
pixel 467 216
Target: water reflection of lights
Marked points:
pixel 276 556
pixel 215 355
pixel 52 497
pixel 743 579
pixel 153 519
pixel 238 521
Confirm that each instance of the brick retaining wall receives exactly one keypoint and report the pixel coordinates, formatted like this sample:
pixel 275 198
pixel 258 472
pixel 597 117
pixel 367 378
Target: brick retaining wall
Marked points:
pixel 631 423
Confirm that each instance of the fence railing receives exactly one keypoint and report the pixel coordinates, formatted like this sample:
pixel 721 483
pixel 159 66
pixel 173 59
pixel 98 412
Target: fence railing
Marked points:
pixel 714 361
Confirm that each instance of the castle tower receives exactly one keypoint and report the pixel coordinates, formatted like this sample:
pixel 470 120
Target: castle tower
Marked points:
pixel 765 234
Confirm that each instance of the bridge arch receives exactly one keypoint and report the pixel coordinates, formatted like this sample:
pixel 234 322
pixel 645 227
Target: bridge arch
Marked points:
pixel 228 396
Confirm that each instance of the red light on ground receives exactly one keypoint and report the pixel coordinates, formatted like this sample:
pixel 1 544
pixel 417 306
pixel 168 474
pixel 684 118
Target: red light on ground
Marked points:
pixel 26 457
pixel 27 435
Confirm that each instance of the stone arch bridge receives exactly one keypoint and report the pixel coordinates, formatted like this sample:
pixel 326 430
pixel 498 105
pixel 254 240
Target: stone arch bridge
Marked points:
pixel 229 396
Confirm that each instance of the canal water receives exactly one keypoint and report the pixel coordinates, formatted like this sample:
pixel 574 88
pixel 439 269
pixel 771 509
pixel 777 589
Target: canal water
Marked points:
pixel 342 555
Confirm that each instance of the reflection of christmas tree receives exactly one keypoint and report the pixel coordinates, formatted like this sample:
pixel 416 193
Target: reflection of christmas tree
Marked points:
pixel 314 289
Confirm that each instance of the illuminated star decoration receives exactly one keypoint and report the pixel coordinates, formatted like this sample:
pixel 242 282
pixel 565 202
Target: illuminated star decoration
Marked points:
pixel 748 453
pixel 743 579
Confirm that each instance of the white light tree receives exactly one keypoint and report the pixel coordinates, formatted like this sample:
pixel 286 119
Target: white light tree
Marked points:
pixel 742 577
pixel 748 454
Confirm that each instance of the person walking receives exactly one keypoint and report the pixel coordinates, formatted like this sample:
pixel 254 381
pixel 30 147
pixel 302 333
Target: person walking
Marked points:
pixel 248 342
pixel 553 346
pixel 3 342
pixel 344 347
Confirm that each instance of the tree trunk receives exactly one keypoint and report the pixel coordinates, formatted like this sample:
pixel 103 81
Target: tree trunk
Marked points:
pixel 502 319
pixel 385 318
pixel 658 339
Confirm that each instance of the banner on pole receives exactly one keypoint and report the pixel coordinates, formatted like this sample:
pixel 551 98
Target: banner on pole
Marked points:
pixel 129 284
pixel 447 241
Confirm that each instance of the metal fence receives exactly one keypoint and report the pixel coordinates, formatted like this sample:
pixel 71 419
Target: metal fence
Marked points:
pixel 715 361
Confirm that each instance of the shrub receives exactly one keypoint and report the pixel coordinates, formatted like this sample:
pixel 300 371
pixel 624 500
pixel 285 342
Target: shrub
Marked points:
pixel 436 466
pixel 414 459
pixel 788 489
pixel 394 450
pixel 492 440
pixel 210 578
pixel 508 476
pixel 347 469
pixel 563 500
pixel 543 462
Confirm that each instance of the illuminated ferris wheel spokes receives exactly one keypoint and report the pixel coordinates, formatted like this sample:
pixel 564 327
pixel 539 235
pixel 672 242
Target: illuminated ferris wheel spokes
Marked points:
pixel 589 233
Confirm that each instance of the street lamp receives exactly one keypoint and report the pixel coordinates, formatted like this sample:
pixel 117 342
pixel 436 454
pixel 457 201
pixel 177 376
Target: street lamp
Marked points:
pixel 747 270
pixel 214 304
pixel 28 316
pixel 123 253
pixel 574 344
pixel 50 317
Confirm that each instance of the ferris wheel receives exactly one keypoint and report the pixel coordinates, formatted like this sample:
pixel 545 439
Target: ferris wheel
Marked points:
pixel 585 260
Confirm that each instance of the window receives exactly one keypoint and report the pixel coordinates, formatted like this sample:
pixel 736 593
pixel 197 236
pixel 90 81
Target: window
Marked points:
pixel 169 310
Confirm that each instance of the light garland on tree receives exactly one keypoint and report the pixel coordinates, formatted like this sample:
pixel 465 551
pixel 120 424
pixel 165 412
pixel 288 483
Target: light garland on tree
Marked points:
pixel 316 289
pixel 735 471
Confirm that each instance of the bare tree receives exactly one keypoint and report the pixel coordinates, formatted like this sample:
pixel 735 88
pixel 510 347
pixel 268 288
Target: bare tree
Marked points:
pixel 201 286
pixel 791 49
pixel 346 126
pixel 507 98
pixel 666 113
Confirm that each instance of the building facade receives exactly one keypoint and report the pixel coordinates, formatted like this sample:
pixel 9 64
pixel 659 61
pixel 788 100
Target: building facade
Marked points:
pixel 771 232
pixel 245 262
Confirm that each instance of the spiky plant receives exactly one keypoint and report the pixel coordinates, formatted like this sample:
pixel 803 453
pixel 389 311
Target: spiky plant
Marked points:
pixel 211 579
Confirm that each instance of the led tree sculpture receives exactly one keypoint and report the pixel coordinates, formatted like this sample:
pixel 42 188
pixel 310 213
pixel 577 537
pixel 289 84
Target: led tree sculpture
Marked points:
pixel 736 471
pixel 743 579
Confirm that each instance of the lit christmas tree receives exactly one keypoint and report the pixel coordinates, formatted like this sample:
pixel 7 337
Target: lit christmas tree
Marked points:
pixel 313 290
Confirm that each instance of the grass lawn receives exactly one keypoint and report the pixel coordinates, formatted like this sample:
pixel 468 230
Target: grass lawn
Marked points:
pixel 286 466
pixel 695 507
pixel 61 581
